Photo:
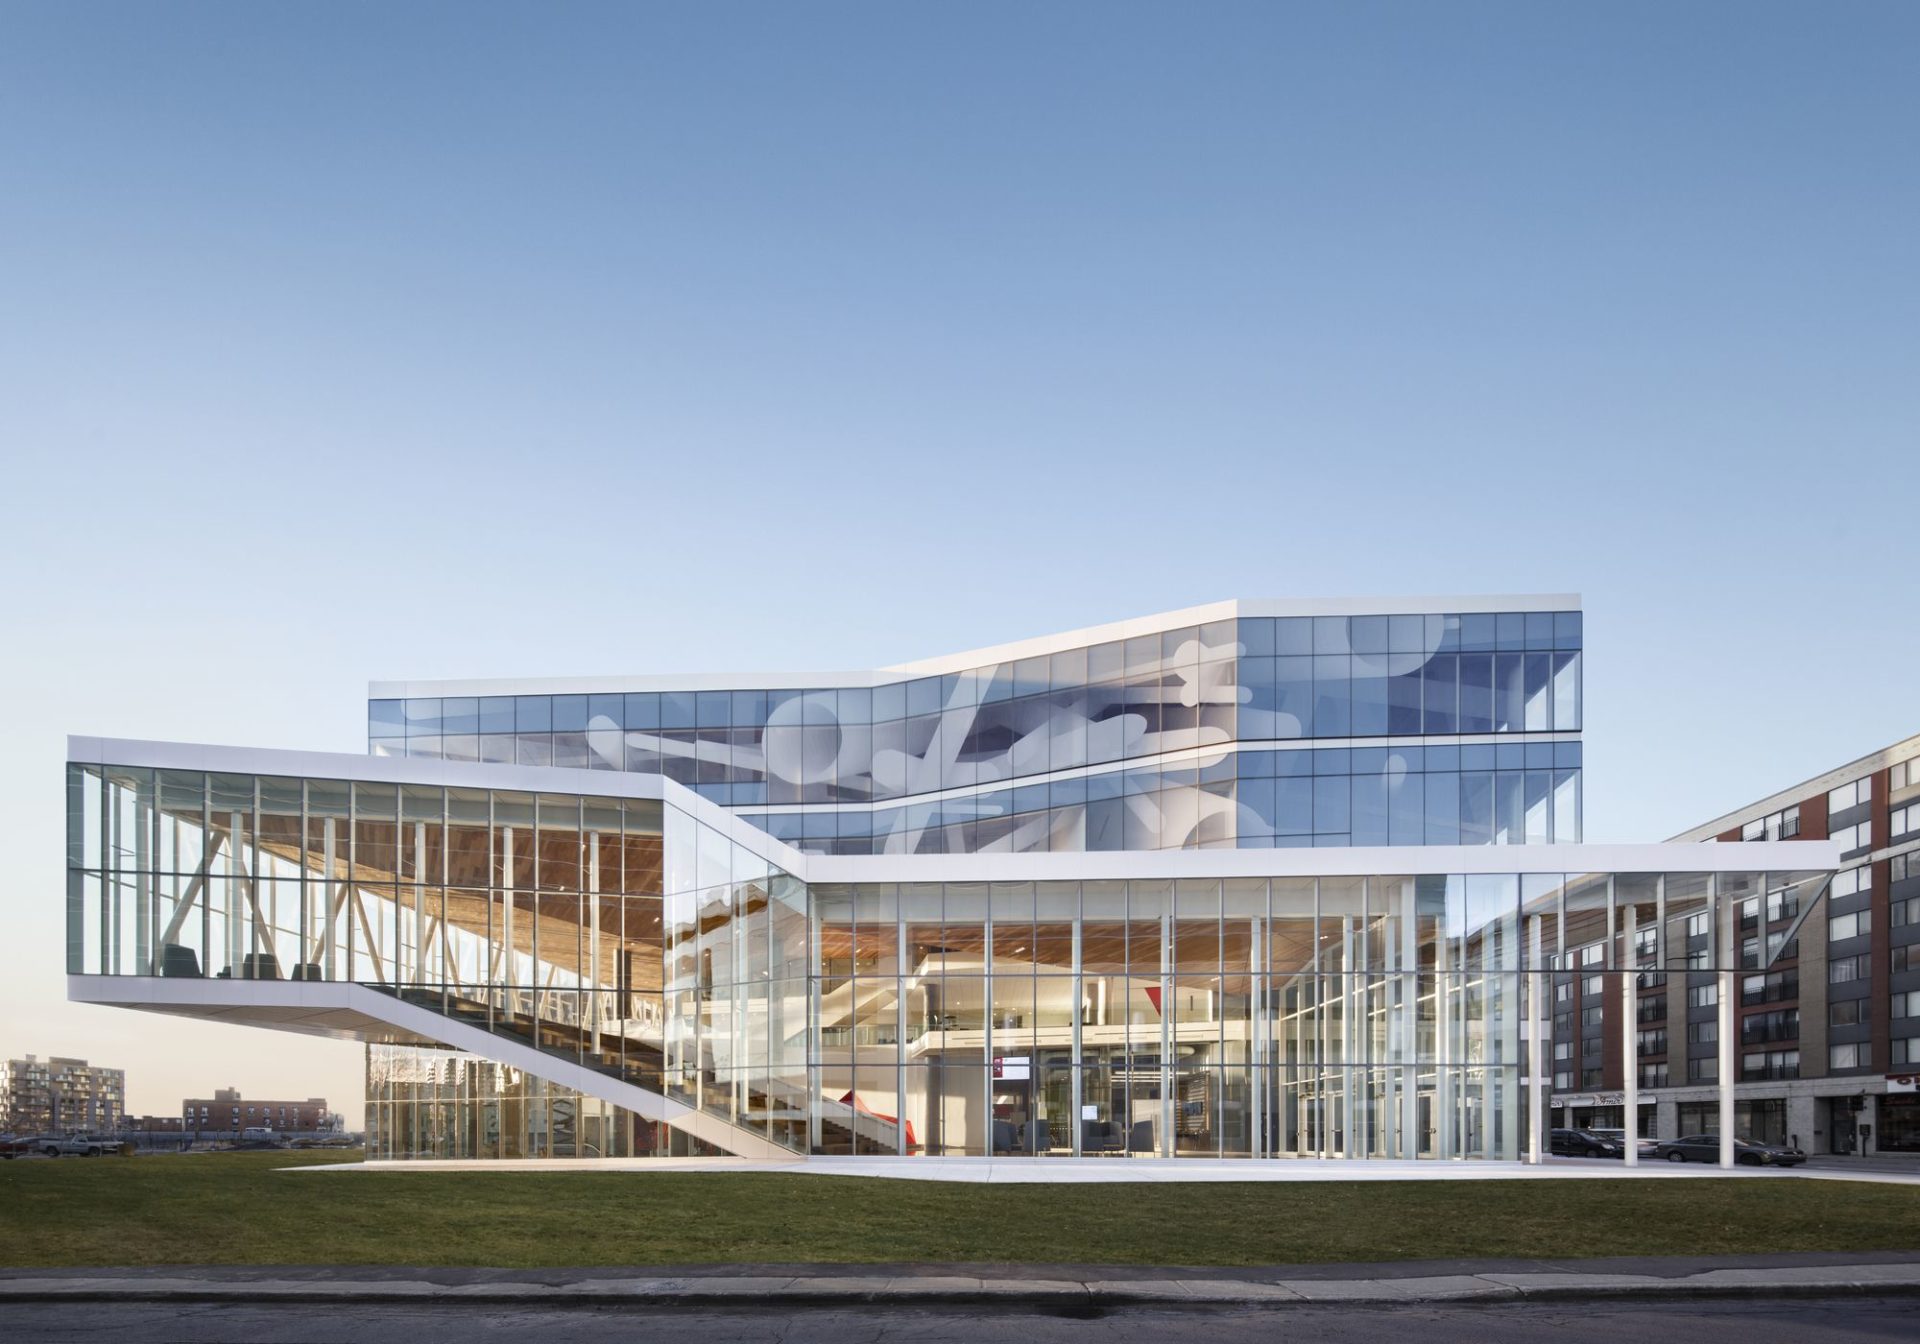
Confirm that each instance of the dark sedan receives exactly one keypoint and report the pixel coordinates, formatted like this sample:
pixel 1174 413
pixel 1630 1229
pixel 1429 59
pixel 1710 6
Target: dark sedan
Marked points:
pixel 1746 1152
pixel 1581 1143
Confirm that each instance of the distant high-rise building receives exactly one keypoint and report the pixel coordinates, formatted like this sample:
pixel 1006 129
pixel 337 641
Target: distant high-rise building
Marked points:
pixel 50 1095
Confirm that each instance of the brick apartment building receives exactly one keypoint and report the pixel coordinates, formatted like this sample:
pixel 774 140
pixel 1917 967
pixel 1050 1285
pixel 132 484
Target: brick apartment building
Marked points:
pixel 227 1112
pixel 1829 1009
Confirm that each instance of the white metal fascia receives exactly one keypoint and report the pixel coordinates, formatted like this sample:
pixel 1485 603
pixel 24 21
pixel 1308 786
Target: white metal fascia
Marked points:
pixel 1396 860
pixel 969 659
pixel 357 766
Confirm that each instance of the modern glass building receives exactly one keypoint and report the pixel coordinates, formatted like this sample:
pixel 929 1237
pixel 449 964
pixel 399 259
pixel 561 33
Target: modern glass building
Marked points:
pixel 1115 894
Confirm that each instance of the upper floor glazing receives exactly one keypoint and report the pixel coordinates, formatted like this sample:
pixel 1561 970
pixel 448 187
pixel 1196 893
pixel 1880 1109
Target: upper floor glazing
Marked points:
pixel 966 759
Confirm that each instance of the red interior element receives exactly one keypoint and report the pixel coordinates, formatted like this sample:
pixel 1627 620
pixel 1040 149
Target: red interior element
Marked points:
pixel 853 1099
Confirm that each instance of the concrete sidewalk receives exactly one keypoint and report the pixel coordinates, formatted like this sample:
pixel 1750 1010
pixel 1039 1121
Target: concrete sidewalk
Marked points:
pixel 1055 1288
pixel 1147 1170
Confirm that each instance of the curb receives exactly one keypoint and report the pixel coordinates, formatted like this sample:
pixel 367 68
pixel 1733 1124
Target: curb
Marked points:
pixel 1014 1295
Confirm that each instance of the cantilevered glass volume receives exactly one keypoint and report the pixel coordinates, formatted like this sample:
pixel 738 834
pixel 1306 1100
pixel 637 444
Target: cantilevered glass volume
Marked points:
pixel 1254 725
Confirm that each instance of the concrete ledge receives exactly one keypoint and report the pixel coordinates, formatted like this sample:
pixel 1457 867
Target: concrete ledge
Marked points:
pixel 991 1290
pixel 1150 1170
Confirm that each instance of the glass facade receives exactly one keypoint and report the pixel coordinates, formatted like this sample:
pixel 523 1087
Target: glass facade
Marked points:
pixel 1219 1012
pixel 1424 728
pixel 426 1102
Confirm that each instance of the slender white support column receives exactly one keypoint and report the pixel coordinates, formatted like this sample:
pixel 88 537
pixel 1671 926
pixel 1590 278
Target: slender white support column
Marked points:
pixel 1167 1076
pixel 592 978
pixel 1076 1078
pixel 1347 1033
pixel 1406 986
pixel 329 842
pixel 936 1121
pixel 1539 1008
pixel 112 866
pixel 900 1035
pixel 237 875
pixel 510 995
pixel 1444 1054
pixel 419 976
pixel 1630 1036
pixel 1320 1102
pixel 1724 957
pixel 146 826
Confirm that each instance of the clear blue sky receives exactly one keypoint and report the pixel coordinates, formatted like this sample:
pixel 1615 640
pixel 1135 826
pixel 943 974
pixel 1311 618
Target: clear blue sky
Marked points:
pixel 355 341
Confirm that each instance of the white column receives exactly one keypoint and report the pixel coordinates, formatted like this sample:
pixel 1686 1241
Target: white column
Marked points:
pixel 1539 1006
pixel 108 863
pixel 1077 1077
pixel 1444 1054
pixel 815 1128
pixel 1724 955
pixel 1630 1036
pixel 328 857
pixel 1407 984
pixel 591 980
pixel 1166 1036
pixel 1347 1034
pixel 146 825
pixel 507 996
pixel 1260 1046
pixel 900 1031
pixel 419 907
pixel 237 876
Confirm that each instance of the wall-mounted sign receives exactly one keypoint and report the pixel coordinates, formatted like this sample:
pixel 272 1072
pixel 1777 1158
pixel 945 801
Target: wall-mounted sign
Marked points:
pixel 1012 1068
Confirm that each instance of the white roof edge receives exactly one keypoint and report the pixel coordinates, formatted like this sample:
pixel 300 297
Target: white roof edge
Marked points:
pixel 980 657
pixel 1358 861
pixel 359 767
pixel 1759 856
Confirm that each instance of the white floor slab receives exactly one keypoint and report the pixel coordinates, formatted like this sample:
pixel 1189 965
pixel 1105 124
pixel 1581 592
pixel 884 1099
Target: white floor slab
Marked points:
pixel 1068 1170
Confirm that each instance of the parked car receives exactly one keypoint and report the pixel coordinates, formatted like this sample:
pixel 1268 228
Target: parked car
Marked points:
pixel 1746 1152
pixel 12 1146
pixel 1619 1136
pixel 1581 1143
pixel 75 1145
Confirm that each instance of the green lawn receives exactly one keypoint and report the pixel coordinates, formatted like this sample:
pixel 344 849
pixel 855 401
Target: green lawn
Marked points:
pixel 239 1209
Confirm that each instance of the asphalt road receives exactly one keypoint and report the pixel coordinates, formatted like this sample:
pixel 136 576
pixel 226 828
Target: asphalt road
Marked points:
pixel 1737 1322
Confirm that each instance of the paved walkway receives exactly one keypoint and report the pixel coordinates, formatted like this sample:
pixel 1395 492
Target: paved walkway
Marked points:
pixel 1047 1170
pixel 1047 1287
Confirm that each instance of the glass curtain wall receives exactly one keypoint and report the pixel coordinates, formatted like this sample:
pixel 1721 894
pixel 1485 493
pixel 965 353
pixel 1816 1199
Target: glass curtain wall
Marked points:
pixel 427 1102
pixel 1384 1015
pixel 614 933
pixel 1144 743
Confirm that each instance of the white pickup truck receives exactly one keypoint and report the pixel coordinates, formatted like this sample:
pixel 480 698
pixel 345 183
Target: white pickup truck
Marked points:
pixel 75 1145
